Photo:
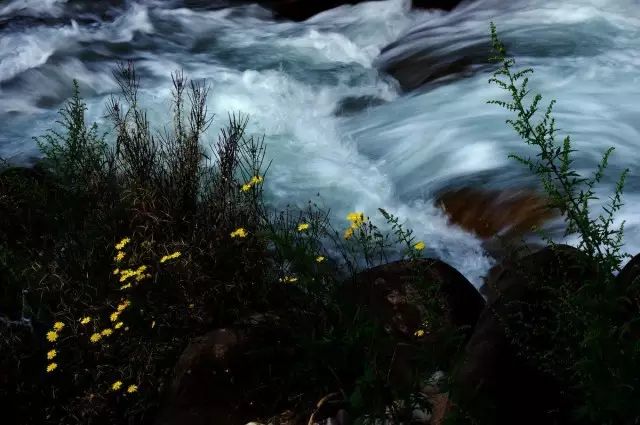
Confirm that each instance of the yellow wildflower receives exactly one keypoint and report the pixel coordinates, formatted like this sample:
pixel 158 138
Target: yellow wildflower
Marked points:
pixel 132 388
pixel 119 256
pixel 126 274
pixel 58 326
pixel 106 332
pixel 118 325
pixel 239 232
pixel 419 246
pixel 51 354
pixel 256 179
pixel 348 233
pixel 246 187
pixel 51 367
pixel 116 385
pixel 116 271
pixel 114 316
pixel 85 320
pixel 289 279
pixel 127 286
pixel 356 218
pixel 170 256
pixel 52 336
pixel 95 337
pixel 123 305
pixel 302 227
pixel 320 259
pixel 122 243
pixel 419 333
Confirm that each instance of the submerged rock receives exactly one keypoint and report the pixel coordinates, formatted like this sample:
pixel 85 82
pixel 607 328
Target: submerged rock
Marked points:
pixel 301 10
pixel 487 213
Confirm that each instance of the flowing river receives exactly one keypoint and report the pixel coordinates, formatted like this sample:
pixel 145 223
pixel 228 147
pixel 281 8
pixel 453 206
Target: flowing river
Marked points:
pixel 334 122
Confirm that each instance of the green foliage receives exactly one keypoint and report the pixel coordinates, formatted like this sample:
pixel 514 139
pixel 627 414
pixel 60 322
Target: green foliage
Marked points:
pixel 581 335
pixel 78 156
pixel 568 191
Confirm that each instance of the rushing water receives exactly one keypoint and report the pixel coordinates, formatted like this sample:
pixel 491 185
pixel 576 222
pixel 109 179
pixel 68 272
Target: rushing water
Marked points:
pixel 293 79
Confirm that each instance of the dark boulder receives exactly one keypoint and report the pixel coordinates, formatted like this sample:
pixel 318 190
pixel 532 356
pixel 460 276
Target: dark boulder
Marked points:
pixel 630 273
pixel 390 292
pixel 415 64
pixel 392 296
pixel 301 10
pixel 225 376
pixel 433 55
pixel 356 104
pixel 447 5
pixel 502 379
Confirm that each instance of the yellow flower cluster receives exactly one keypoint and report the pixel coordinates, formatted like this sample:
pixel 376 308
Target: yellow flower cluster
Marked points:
pixel 119 256
pixel 118 384
pixel 170 256
pixel 419 246
pixel 113 317
pixel 121 307
pixel 302 227
pixel 239 232
pixel 357 220
pixel 320 259
pixel 85 320
pixel 120 245
pixel 419 333
pixel 139 274
pixel 254 181
pixel 52 336
pixel 289 279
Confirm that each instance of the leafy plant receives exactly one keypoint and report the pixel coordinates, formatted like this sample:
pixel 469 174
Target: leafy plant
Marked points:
pixel 582 336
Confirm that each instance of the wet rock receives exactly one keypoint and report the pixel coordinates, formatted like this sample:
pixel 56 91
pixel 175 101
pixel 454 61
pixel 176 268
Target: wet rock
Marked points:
pixel 389 292
pixel 391 297
pixel 447 5
pixel 356 104
pixel 509 213
pixel 301 10
pixel 215 372
pixel 495 382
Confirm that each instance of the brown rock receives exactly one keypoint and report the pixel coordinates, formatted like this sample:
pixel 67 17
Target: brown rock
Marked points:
pixel 440 407
pixel 488 213
pixel 391 296
pixel 214 374
pixel 496 383
pixel 389 292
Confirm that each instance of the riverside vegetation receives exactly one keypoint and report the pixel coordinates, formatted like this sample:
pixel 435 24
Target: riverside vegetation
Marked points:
pixel 114 256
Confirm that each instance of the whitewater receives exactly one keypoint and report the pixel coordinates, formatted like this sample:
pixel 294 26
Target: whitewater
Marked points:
pixel 334 122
